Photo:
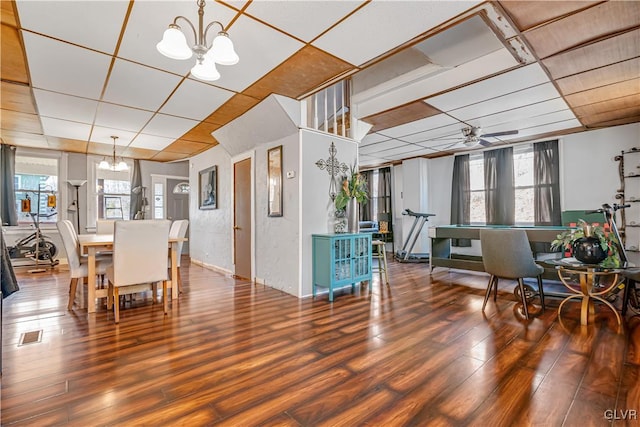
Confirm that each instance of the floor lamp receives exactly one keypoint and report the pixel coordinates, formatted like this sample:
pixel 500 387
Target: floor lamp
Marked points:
pixel 75 205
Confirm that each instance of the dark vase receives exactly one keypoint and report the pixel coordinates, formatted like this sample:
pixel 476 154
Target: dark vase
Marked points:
pixel 588 250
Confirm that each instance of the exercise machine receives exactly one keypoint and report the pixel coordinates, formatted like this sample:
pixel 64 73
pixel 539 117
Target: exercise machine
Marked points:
pixel 407 255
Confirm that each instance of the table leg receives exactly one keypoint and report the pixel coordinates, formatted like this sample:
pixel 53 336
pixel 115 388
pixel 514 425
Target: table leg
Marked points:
pixel 174 270
pixel 91 278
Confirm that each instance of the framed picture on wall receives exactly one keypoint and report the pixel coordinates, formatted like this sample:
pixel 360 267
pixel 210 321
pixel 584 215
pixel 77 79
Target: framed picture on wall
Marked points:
pixel 274 180
pixel 208 188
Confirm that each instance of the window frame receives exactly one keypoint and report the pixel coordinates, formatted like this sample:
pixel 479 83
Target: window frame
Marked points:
pixel 91 208
pixel 63 191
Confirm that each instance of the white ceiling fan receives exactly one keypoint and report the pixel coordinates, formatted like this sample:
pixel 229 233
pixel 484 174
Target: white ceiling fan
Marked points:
pixel 472 136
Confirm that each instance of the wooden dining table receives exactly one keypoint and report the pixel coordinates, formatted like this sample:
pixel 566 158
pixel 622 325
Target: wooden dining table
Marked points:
pixel 92 244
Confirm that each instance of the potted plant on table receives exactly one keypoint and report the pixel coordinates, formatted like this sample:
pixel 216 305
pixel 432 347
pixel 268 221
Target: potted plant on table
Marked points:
pixel 352 192
pixel 589 244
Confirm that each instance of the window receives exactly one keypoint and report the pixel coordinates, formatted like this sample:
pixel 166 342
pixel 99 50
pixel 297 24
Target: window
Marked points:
pixel 35 173
pixel 113 190
pixel 158 200
pixel 523 180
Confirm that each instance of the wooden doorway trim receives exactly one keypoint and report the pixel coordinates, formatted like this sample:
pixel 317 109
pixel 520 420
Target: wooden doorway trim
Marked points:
pixel 250 156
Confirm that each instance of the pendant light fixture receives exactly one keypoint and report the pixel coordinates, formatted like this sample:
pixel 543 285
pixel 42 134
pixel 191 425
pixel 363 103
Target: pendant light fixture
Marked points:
pixel 174 45
pixel 114 165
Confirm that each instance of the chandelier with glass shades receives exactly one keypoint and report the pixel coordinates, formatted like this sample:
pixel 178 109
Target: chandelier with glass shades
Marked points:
pixel 114 165
pixel 174 45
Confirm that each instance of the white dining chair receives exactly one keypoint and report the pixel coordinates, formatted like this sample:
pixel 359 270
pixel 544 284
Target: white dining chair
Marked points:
pixel 105 226
pixel 139 260
pixel 178 230
pixel 78 266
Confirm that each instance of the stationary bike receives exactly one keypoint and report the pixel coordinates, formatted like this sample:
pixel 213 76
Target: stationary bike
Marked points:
pixel 35 244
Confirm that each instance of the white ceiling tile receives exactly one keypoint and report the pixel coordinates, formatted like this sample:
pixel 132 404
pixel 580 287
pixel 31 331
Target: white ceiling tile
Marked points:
pixel 551 127
pixel 118 117
pixel 408 150
pixel 382 25
pixel 151 142
pixel 65 68
pixel 532 95
pixel 169 126
pixel 382 146
pixel 304 19
pixel 94 24
pixel 512 81
pixel 372 138
pixel 461 43
pixel 434 137
pixel 139 86
pixel 58 106
pixel 432 122
pixel 523 125
pixel 517 114
pixel 65 129
pixel 195 100
pixel 103 135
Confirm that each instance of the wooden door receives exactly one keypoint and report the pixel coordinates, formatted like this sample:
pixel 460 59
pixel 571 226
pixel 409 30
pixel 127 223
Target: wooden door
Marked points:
pixel 242 218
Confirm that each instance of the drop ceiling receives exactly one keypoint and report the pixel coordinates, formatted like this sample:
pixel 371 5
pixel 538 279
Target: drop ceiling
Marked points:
pixel 76 72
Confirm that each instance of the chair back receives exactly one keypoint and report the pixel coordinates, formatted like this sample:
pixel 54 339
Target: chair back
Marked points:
pixel 178 230
pixel 71 245
pixel 506 253
pixel 105 226
pixel 140 251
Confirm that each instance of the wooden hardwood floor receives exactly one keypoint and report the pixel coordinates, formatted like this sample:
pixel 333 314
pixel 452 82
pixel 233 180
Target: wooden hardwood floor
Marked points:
pixel 232 353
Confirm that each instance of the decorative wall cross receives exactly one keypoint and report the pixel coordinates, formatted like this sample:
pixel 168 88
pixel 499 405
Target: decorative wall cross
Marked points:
pixel 334 168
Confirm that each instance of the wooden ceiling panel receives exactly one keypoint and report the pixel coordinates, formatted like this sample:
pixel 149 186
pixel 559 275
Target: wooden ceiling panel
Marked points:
pixel 303 71
pixel 608 51
pixel 607 106
pixel 13 66
pixel 528 14
pixel 234 107
pixel 398 116
pixel 24 139
pixel 103 149
pixel 625 115
pixel 64 144
pixel 186 147
pixel 600 77
pixel 614 122
pixel 166 156
pixel 604 93
pixel 16 97
pixel 584 27
pixel 7 14
pixel 202 134
pixel 20 122
pixel 139 153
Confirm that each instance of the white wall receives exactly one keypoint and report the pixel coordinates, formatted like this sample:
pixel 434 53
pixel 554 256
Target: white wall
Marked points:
pixel 211 230
pixel 315 203
pixel 415 183
pixel 277 238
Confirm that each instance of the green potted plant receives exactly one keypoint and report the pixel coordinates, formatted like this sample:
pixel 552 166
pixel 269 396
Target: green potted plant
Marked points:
pixel 353 191
pixel 588 243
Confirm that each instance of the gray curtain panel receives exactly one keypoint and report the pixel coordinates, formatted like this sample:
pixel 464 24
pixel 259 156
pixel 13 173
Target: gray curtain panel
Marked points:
pixel 384 191
pixel 500 198
pixel 366 209
pixel 7 191
pixel 136 190
pixel 9 282
pixel 546 183
pixel 461 196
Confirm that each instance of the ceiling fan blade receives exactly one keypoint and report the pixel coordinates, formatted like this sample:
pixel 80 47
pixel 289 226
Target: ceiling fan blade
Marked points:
pixel 506 132
pixel 484 142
